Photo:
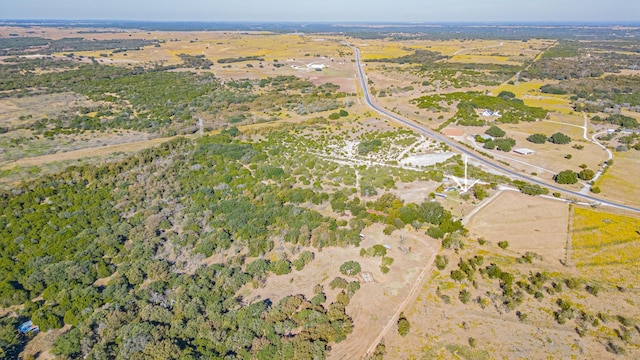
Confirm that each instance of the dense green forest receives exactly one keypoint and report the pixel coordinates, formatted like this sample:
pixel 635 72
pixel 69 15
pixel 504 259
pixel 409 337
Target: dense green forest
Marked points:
pixel 118 251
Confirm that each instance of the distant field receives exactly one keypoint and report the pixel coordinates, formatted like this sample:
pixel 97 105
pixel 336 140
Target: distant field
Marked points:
pixel 621 179
pixel 606 246
pixel 529 92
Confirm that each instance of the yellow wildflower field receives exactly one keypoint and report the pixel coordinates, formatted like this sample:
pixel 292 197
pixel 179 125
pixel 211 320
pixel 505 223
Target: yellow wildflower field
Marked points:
pixel 606 246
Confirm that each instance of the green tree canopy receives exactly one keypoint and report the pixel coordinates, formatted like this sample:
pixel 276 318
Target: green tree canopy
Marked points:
pixel 566 177
pixel 495 131
pixel 537 138
pixel 350 268
pixel 560 138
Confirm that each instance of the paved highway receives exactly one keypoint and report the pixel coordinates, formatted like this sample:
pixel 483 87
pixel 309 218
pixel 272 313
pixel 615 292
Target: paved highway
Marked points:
pixel 454 145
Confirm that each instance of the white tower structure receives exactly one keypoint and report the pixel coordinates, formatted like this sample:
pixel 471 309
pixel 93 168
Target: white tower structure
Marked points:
pixel 465 187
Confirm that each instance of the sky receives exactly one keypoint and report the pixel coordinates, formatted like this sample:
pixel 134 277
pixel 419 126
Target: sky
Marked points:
pixel 612 11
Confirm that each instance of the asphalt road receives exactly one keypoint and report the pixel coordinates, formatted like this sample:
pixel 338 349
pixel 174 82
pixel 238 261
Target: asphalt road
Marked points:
pixel 454 145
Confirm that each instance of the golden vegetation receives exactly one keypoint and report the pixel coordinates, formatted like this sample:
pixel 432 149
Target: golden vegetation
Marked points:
pixel 606 246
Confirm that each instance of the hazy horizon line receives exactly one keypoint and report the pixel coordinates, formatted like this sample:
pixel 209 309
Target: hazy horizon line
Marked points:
pixel 357 22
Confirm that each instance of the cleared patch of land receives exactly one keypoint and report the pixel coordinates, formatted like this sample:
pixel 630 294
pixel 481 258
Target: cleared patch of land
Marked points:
pixel 526 222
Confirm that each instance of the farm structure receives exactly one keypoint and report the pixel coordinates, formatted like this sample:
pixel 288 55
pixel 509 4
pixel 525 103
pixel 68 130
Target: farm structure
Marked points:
pixel 524 151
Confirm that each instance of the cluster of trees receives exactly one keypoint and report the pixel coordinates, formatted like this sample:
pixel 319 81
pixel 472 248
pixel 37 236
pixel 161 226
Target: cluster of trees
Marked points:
pixel 617 119
pixel 24 45
pixel 196 61
pixel 419 56
pixel 557 138
pixel 568 60
pixel 63 232
pixel 494 131
pixel 157 100
pixel 513 110
pixel 240 59
pixel 501 144
pixel 571 177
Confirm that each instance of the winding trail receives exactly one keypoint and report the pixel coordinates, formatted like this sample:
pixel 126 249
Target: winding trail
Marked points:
pixel 414 289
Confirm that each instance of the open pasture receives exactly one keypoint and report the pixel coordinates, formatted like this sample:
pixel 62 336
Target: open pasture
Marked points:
pixel 620 181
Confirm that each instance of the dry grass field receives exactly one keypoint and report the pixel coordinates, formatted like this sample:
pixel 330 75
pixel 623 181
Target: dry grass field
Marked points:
pixel 527 223
pixel 444 327
pixel 620 181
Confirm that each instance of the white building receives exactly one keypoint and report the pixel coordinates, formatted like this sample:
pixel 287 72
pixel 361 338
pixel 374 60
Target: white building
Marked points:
pixel 524 151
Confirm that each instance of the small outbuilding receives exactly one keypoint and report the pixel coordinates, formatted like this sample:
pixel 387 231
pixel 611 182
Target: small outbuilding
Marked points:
pixel 524 151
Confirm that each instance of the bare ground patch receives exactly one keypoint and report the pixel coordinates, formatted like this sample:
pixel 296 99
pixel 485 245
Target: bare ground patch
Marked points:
pixel 528 223
pixel 376 302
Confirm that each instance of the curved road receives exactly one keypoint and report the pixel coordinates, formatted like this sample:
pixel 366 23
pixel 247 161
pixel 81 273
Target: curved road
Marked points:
pixel 473 155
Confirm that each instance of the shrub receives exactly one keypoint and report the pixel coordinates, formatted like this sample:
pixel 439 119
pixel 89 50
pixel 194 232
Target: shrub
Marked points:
pixel 586 174
pixel 403 325
pixel 473 342
pixel 441 261
pixel 457 275
pixel 350 268
pixel 503 244
pixel 281 267
pixel 435 232
pixel 464 296
pixel 507 95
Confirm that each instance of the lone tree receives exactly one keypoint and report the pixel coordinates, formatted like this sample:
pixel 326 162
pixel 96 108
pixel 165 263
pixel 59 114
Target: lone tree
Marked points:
pixel 403 325
pixel 495 131
pixel 537 138
pixel 566 177
pixel 350 268
pixel 560 138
